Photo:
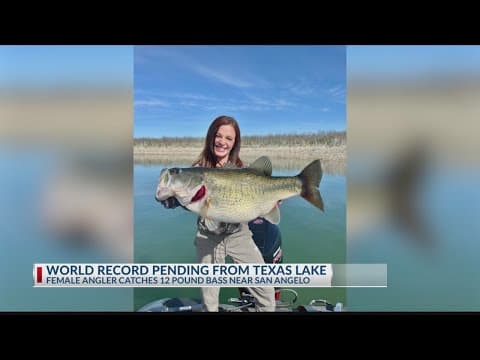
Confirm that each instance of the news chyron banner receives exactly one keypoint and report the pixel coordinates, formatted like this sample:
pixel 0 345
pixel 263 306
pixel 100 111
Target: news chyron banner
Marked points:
pixel 209 275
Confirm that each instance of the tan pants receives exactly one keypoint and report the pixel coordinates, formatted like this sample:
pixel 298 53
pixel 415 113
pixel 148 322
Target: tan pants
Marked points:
pixel 242 249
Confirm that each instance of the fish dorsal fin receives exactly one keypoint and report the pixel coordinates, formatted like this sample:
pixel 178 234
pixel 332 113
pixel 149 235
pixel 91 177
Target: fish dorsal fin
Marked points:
pixel 274 215
pixel 262 165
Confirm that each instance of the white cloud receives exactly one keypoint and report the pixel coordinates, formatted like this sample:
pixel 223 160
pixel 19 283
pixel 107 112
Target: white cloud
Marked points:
pixel 337 91
pixel 338 94
pixel 301 88
pixel 271 103
pixel 209 72
pixel 151 102
pixel 221 76
pixel 193 97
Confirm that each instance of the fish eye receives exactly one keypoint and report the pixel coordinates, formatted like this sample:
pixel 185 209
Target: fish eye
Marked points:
pixel 174 171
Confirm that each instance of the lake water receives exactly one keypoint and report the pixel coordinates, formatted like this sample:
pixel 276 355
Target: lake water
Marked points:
pixel 308 235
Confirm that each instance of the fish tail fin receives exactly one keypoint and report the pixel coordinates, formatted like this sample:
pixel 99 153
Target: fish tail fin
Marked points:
pixel 310 177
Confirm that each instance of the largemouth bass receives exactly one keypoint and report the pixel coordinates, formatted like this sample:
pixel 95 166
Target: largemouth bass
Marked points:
pixel 235 195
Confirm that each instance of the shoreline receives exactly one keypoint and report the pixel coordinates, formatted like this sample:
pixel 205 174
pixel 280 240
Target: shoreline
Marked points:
pixel 333 158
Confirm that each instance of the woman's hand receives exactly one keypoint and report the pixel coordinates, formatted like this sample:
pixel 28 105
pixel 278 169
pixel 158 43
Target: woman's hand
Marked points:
pixel 170 203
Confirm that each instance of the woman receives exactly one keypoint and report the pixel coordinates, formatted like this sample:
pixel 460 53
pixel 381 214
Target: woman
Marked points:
pixel 222 147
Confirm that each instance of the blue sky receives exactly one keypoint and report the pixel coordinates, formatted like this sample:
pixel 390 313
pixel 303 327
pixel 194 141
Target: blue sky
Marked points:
pixel 59 65
pixel 179 90
pixel 404 62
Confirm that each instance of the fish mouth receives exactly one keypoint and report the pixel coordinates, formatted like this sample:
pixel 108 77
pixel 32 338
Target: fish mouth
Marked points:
pixel 162 194
pixel 199 194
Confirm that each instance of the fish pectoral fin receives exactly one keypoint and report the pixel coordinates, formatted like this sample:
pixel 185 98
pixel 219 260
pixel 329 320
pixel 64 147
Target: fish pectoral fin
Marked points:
pixel 273 216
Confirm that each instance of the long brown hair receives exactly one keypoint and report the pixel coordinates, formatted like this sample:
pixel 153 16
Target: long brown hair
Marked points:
pixel 207 157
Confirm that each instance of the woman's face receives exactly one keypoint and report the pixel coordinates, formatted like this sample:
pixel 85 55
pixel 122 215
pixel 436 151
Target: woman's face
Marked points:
pixel 224 141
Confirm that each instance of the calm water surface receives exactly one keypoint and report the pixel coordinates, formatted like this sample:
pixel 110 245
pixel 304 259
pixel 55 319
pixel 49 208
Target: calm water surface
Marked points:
pixel 308 235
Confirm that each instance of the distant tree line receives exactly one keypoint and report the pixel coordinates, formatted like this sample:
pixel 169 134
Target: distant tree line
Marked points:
pixel 327 138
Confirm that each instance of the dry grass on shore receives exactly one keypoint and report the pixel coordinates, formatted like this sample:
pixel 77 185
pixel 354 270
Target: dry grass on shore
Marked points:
pixel 333 158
